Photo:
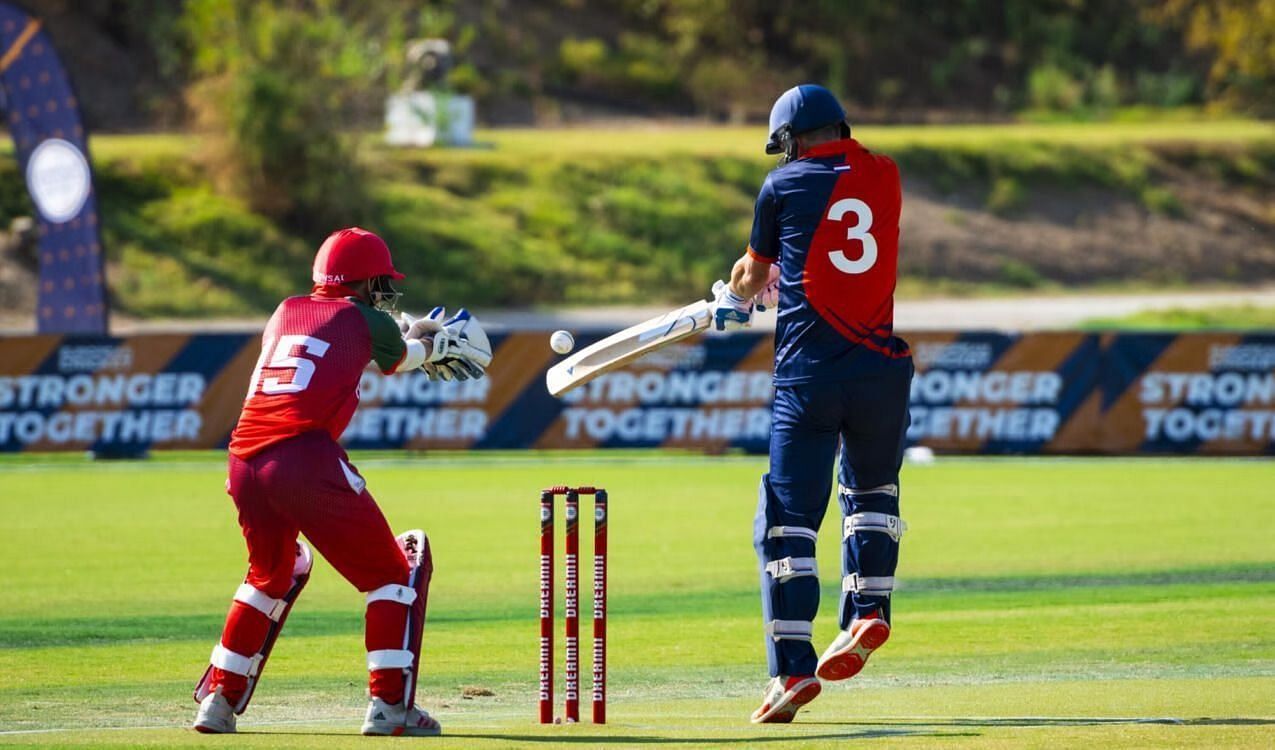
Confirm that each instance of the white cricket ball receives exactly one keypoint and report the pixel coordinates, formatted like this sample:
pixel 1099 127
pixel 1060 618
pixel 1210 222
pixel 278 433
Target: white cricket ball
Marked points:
pixel 562 342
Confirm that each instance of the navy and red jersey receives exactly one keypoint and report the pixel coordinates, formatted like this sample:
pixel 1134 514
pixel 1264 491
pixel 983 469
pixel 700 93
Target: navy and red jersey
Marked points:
pixel 831 221
pixel 313 352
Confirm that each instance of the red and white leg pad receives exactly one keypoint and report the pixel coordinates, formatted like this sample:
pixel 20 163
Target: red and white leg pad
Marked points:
pixel 415 547
pixel 275 609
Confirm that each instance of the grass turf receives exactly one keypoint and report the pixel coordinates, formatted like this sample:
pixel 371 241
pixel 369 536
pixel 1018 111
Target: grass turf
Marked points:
pixel 1042 603
pixel 1222 317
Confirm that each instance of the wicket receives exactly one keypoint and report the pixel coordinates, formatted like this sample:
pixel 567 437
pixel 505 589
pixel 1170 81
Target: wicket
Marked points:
pixel 572 597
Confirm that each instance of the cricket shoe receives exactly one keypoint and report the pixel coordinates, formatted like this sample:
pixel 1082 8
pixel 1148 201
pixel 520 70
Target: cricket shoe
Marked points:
pixel 392 720
pixel 216 716
pixel 784 697
pixel 849 651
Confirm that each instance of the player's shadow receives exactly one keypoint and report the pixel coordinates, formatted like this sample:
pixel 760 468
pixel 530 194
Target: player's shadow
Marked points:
pixel 872 729
pixel 988 722
pixel 608 739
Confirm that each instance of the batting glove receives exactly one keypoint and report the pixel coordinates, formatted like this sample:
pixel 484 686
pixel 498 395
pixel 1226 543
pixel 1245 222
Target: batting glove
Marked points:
pixel 769 295
pixel 730 311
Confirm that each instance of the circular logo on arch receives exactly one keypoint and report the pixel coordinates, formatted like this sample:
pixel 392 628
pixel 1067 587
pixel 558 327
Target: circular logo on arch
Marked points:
pixel 58 179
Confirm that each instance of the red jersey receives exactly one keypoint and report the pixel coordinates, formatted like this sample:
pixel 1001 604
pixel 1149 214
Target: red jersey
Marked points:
pixel 831 221
pixel 313 352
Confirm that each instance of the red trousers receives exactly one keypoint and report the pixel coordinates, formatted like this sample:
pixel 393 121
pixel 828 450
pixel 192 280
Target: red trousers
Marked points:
pixel 306 484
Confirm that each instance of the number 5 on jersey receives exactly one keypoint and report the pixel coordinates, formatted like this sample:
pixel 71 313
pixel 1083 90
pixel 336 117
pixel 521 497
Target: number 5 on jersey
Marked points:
pixel 277 354
pixel 859 231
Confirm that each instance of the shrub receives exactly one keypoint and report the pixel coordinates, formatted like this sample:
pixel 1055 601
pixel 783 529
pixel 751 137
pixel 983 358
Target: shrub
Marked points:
pixel 1006 194
pixel 275 83
pixel 1018 274
pixel 1049 87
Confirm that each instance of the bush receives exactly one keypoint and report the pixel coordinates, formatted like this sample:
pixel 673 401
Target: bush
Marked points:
pixel 1006 194
pixel 1104 89
pixel 275 83
pixel 581 58
pixel 1166 90
pixel 1049 87
pixel 1018 274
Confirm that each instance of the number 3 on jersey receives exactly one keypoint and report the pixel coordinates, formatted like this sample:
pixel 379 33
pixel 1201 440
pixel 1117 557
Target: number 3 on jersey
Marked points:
pixel 277 355
pixel 858 231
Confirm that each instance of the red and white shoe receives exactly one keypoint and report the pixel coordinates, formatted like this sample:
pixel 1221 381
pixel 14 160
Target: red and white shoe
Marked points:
pixel 849 651
pixel 393 720
pixel 215 715
pixel 784 697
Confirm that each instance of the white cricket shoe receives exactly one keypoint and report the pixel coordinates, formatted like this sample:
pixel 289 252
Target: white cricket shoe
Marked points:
pixel 784 697
pixel 392 720
pixel 850 650
pixel 216 716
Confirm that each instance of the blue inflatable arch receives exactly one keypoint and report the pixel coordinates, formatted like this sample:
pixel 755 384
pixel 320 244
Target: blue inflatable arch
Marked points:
pixel 52 149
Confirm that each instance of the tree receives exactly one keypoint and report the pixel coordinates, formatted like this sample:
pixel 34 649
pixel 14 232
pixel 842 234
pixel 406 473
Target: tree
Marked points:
pixel 274 85
pixel 1240 37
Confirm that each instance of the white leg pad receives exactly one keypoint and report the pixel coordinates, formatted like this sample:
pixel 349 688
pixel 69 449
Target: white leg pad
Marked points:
pixel 390 659
pixel 886 489
pixel 393 592
pixel 800 532
pixel 224 658
pixel 792 567
pixel 260 601
pixel 793 630
pixel 880 522
pixel 869 585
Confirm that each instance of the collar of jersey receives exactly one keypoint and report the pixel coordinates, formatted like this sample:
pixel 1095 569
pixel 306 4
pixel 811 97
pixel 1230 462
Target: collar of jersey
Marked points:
pixel 331 291
pixel 832 148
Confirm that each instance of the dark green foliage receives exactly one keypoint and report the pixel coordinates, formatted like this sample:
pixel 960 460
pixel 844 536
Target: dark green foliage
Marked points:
pixel 1019 275
pixel 274 83
pixel 556 231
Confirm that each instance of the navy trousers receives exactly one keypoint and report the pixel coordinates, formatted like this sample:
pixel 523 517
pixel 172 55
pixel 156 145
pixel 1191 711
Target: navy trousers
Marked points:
pixel 868 418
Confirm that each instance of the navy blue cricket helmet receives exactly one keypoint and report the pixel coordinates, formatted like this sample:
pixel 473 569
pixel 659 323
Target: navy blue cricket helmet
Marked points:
pixel 801 109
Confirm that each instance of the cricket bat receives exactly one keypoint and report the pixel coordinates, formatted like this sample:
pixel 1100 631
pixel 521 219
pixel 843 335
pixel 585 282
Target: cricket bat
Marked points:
pixel 619 349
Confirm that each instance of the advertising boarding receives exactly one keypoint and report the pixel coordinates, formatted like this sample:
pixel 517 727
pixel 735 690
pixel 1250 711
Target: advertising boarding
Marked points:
pixel 974 392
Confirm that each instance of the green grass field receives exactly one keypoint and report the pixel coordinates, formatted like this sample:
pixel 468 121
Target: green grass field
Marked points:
pixel 1043 603
pixel 746 141
pixel 1221 318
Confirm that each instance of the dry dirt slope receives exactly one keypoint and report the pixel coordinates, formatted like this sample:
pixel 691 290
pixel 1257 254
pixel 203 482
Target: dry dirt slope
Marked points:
pixel 1199 228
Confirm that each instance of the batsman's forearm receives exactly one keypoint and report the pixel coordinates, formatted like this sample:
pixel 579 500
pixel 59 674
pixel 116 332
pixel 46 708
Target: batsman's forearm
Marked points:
pixel 748 277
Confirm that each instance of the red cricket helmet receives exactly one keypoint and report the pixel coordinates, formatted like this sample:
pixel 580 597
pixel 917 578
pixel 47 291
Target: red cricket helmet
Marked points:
pixel 351 255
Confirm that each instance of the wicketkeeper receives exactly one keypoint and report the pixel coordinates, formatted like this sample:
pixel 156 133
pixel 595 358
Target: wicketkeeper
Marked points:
pixel 289 475
pixel 824 247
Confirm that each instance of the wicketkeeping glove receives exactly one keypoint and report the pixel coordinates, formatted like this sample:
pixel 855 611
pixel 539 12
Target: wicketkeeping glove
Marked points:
pixel 459 348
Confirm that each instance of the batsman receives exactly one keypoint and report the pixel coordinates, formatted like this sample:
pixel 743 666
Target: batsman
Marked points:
pixel 824 246
pixel 289 475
